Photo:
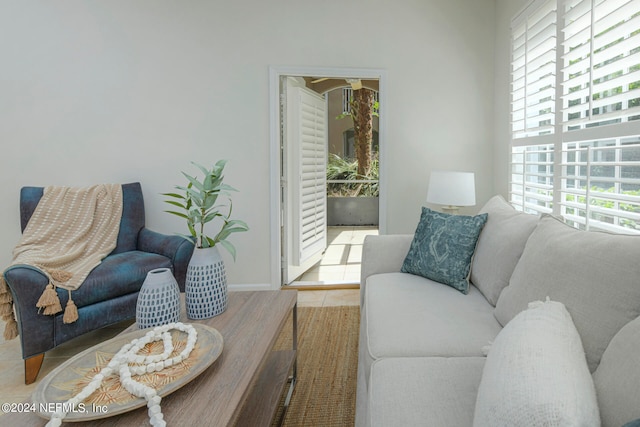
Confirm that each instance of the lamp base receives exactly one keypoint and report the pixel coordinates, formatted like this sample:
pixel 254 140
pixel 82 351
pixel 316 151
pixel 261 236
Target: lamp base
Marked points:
pixel 452 210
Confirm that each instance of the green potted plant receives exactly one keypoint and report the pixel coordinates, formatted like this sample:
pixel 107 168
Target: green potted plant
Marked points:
pixel 206 282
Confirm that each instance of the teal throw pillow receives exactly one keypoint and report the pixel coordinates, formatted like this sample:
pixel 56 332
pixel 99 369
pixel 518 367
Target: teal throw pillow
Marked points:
pixel 635 423
pixel 443 247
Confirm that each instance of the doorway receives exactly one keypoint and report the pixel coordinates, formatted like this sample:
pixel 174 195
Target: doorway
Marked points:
pixel 341 245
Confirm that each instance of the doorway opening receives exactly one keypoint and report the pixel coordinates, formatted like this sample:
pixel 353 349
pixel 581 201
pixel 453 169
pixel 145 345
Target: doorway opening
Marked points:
pixel 336 243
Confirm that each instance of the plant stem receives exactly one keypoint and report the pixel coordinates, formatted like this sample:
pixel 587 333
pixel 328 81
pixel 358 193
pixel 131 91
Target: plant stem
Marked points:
pixel 202 211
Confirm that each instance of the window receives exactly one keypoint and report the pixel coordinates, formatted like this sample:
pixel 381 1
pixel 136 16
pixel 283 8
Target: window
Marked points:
pixel 532 178
pixel 607 173
pixel 575 111
pixel 347 96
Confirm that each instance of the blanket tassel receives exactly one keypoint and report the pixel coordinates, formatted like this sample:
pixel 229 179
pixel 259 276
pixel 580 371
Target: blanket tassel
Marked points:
pixel 6 299
pixel 3 285
pixel 6 311
pixel 49 301
pixel 70 311
pixel 10 328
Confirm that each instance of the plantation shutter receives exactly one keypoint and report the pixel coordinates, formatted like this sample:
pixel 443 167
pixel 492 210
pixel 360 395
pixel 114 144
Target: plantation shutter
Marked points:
pixel 533 106
pixel 601 63
pixel 533 72
pixel 600 175
pixel 309 177
pixel 586 168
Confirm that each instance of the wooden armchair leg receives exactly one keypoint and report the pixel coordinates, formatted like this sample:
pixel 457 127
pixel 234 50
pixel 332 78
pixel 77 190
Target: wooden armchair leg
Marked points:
pixel 32 366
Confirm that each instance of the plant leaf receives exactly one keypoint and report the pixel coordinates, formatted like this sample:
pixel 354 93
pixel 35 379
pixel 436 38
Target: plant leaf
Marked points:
pixel 229 247
pixel 239 223
pixel 204 170
pixel 225 187
pixel 211 216
pixel 219 166
pixel 180 214
pixel 176 195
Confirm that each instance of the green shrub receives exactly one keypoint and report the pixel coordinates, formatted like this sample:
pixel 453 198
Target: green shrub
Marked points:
pixel 347 169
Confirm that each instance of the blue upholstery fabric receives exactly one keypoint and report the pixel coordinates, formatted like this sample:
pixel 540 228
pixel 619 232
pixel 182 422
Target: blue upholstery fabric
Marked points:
pixel 132 218
pixel 29 198
pixel 443 246
pixel 173 247
pixel 117 275
pixel 109 294
pixel 107 312
pixel 26 285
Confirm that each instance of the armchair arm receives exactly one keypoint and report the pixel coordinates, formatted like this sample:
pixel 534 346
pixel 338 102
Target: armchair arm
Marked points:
pixel 383 254
pixel 176 248
pixel 27 284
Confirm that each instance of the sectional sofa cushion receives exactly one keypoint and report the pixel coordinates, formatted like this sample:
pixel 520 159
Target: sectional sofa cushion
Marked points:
pixel 443 246
pixel 594 274
pixel 536 374
pixel 500 246
pixel 617 378
pixel 409 316
pixel 424 391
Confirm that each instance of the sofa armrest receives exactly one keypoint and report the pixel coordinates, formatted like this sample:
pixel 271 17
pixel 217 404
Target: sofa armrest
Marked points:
pixel 383 254
pixel 26 284
pixel 176 248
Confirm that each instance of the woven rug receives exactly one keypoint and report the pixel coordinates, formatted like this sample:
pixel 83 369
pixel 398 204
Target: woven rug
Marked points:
pixel 325 394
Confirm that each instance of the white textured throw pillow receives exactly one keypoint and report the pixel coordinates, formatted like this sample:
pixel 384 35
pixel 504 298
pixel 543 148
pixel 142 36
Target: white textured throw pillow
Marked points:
pixel 536 373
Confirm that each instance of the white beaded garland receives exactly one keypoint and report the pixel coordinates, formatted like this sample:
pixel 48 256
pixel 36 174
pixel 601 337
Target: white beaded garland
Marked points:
pixel 119 364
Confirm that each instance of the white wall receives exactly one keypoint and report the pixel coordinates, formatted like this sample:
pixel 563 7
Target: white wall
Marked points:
pixel 133 90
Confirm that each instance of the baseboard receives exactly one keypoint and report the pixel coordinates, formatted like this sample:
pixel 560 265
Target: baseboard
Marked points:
pixel 320 286
pixel 250 287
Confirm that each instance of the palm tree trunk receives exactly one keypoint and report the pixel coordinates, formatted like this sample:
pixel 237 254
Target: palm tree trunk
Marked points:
pixel 362 113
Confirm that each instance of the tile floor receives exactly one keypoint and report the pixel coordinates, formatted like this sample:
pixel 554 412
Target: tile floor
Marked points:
pixel 340 263
pixel 13 389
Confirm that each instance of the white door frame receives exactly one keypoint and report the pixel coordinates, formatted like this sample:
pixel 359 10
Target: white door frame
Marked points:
pixel 275 72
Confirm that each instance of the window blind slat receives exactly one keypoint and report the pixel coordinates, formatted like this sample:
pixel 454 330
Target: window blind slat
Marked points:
pixel 576 9
pixel 615 33
pixel 617 67
pixel 609 13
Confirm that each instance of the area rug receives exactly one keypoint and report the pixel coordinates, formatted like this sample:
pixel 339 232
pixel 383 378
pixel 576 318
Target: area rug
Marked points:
pixel 325 394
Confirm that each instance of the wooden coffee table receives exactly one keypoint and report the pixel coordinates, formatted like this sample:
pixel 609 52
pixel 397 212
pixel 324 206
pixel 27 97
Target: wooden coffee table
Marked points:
pixel 244 386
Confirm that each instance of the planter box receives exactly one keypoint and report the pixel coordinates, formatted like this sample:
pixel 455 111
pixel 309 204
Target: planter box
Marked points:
pixel 352 211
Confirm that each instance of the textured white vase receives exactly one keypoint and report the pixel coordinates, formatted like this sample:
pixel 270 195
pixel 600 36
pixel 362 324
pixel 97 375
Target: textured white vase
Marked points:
pixel 158 299
pixel 206 284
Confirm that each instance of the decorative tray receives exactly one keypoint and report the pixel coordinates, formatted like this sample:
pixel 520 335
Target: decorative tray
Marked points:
pixel 111 398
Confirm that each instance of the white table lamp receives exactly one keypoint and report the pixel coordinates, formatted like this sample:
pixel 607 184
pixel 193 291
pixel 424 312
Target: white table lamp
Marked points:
pixel 452 189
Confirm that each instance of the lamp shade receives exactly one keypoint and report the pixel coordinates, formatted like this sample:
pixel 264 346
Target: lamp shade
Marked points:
pixel 452 188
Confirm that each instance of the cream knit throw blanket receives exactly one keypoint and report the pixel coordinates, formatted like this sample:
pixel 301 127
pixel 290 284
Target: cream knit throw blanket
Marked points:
pixel 68 235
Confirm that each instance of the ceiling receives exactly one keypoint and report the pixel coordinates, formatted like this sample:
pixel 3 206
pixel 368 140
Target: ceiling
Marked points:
pixel 325 84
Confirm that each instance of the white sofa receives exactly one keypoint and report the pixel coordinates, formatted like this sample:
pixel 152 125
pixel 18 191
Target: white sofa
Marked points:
pixel 424 346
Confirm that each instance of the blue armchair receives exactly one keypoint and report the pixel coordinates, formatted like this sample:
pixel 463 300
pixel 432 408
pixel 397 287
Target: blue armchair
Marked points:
pixel 109 293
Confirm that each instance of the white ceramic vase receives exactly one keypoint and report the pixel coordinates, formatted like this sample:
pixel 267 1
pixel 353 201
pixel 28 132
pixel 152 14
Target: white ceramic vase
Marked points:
pixel 206 284
pixel 158 299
